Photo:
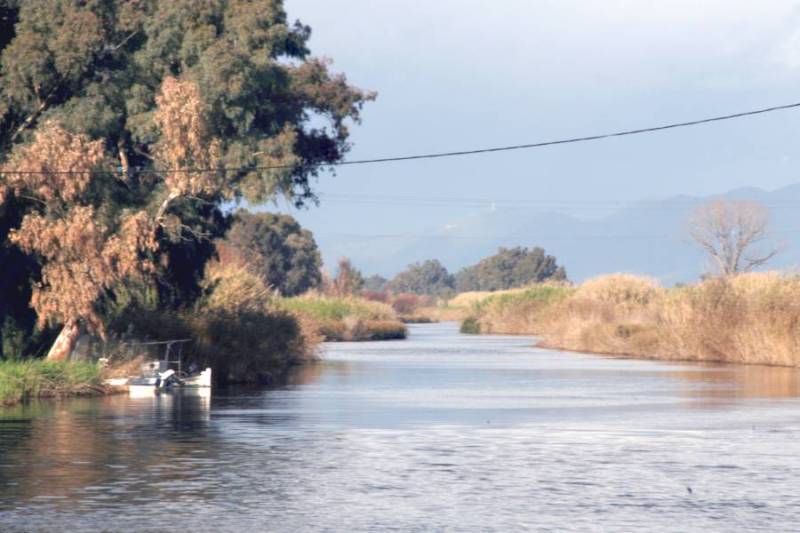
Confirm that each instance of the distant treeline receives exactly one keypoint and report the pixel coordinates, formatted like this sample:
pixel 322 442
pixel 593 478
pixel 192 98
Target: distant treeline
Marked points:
pixel 508 268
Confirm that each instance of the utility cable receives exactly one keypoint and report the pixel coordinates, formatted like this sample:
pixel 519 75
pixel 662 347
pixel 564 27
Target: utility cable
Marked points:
pixel 439 155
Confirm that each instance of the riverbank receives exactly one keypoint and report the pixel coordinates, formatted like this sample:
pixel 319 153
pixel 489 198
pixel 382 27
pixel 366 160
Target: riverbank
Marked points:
pixel 29 379
pixel 348 318
pixel 750 318
pixel 243 335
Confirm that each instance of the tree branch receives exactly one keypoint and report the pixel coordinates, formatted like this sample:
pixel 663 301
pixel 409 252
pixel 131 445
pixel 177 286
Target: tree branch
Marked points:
pixel 33 116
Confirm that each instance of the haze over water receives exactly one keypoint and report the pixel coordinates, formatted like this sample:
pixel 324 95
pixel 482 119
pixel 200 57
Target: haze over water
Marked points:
pixel 442 431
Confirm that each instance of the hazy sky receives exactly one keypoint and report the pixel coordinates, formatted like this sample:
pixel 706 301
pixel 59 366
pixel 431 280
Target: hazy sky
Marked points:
pixel 461 74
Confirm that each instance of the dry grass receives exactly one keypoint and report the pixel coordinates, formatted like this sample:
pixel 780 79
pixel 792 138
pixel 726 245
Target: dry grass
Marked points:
pixel 468 299
pixel 442 313
pixel 459 307
pixel 751 318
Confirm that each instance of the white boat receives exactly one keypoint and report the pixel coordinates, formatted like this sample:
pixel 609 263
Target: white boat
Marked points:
pixel 165 375
pixel 160 381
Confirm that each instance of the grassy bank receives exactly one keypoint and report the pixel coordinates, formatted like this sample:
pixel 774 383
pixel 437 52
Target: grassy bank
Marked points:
pixel 751 318
pixel 28 379
pixel 347 319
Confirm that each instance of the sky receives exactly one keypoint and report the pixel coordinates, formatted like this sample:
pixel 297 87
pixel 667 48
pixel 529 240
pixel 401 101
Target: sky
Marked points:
pixel 464 74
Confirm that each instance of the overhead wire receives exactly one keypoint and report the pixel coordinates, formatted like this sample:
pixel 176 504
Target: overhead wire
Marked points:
pixel 438 155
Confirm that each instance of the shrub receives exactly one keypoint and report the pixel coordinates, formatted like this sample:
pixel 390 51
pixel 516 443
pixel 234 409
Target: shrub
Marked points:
pixel 470 326
pixel 381 330
pixel 250 346
pixel 376 296
pixel 232 287
pixel 406 303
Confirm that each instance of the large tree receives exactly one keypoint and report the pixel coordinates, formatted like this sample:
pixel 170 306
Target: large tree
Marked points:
pixel 428 277
pixel 277 249
pixel 509 268
pixel 151 100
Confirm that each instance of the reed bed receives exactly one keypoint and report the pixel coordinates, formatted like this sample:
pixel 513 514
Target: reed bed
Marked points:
pixel 750 318
pixel 27 379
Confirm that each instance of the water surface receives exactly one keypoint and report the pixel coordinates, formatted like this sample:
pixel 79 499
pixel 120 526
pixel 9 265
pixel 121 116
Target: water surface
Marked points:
pixel 439 432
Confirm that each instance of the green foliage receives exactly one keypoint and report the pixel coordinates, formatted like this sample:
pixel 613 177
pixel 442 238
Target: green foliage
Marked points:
pixel 276 248
pixel 14 339
pixel 543 294
pixel 17 319
pixel 251 346
pixel 510 268
pixel 242 346
pixel 22 380
pixel 470 326
pixel 428 277
pixel 96 67
pixel 348 318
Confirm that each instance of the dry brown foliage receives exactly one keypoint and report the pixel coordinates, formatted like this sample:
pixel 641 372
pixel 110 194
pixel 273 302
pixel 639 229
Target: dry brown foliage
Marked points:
pixel 81 257
pixel 82 260
pixel 234 288
pixel 347 282
pixel 406 303
pixel 57 165
pixel 749 318
pixel 186 144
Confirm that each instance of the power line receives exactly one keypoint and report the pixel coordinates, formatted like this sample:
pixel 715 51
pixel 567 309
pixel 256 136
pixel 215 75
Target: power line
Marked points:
pixel 439 155
pixel 574 139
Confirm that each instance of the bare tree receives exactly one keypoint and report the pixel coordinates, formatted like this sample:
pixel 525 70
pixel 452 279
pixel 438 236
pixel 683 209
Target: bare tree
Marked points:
pixel 730 233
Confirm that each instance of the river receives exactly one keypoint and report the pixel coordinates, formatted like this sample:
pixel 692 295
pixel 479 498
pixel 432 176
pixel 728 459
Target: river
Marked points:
pixel 439 432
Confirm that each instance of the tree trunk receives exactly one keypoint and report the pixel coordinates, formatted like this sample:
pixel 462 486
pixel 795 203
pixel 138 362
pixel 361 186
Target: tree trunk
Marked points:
pixel 65 342
pixel 123 158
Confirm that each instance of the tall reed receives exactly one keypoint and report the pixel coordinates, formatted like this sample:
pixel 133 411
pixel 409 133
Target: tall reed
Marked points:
pixel 750 318
pixel 35 378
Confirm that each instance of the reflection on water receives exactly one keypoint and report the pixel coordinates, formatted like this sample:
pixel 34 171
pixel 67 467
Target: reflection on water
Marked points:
pixel 304 374
pixel 51 449
pixel 438 432
pixel 741 381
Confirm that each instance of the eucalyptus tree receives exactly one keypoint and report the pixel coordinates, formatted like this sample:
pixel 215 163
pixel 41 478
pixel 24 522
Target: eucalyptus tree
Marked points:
pixel 134 121
pixel 428 277
pixel 509 268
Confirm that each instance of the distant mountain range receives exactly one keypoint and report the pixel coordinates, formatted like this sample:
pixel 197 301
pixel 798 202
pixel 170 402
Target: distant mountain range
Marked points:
pixel 647 237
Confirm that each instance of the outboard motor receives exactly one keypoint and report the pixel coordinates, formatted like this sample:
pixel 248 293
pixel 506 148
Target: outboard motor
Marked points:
pixel 165 379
